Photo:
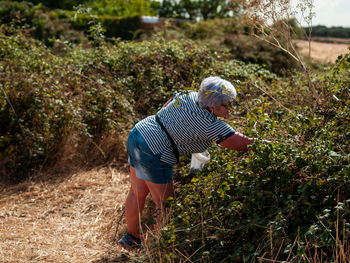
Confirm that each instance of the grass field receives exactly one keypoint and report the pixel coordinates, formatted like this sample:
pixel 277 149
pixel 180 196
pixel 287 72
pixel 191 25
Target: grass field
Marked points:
pixel 323 52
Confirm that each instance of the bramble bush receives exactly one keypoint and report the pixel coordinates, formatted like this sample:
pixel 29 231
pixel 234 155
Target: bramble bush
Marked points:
pixel 288 200
pixel 45 98
pixel 89 94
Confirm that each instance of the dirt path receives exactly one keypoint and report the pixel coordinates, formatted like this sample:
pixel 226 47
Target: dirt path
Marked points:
pixel 69 221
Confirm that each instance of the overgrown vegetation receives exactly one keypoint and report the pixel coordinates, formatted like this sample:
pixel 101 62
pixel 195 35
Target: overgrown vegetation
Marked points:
pixel 48 25
pixel 288 200
pixel 231 39
pixel 38 22
pixel 65 102
pixel 47 97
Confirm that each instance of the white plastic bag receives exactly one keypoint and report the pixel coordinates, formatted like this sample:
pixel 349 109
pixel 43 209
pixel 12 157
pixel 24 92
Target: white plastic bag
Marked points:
pixel 198 161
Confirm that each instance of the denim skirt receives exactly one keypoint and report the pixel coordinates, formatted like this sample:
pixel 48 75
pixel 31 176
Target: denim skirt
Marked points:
pixel 148 166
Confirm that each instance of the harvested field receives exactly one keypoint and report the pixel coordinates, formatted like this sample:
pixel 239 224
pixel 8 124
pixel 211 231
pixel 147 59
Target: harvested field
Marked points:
pixel 322 51
pixel 72 220
pixel 331 40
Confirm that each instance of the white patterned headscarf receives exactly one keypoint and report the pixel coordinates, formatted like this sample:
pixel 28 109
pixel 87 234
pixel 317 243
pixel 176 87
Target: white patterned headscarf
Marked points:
pixel 214 91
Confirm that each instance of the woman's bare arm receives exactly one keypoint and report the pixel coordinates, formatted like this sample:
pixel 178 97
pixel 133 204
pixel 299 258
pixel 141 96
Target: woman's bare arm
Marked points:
pixel 237 141
pixel 166 104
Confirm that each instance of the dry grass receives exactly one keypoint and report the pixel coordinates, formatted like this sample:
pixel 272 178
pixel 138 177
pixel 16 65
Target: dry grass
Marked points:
pixel 322 52
pixel 73 220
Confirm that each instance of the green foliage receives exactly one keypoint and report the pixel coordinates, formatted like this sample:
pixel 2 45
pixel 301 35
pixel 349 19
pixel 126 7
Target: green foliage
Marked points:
pixel 88 92
pixel 62 4
pixel 38 22
pixel 45 98
pixel 47 26
pixel 227 37
pixel 251 50
pixel 284 200
pixel 195 9
pixel 121 8
pixel 280 200
pixel 114 27
pixel 297 31
pixel 205 30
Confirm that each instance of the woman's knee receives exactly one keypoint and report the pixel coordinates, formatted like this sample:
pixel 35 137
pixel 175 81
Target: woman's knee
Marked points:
pixel 160 201
pixel 160 193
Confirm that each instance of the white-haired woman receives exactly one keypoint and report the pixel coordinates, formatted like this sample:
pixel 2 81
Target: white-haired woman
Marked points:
pixel 186 124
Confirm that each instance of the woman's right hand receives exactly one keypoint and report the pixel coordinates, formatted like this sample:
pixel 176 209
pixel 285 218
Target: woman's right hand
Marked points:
pixel 237 141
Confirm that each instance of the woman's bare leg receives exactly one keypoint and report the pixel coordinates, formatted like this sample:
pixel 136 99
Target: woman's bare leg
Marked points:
pixel 135 203
pixel 160 194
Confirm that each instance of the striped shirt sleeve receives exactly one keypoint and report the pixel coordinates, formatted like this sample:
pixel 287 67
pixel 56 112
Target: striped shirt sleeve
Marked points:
pixel 219 131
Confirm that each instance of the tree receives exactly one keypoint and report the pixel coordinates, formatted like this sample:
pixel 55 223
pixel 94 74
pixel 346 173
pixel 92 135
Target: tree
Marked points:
pixel 215 8
pixel 192 9
pixel 169 8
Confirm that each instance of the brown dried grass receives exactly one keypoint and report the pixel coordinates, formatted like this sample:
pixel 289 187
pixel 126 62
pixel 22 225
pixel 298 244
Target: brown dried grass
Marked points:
pixel 71 220
pixel 322 52
pixel 75 152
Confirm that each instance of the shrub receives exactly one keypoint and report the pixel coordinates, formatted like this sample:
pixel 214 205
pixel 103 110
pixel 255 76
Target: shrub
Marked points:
pixel 90 94
pixel 38 22
pixel 46 98
pixel 283 201
pixel 114 26
pixel 251 50
pixel 227 37
pixel 47 26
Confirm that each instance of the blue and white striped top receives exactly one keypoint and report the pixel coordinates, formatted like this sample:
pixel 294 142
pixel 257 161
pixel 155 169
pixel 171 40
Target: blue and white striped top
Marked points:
pixel 192 128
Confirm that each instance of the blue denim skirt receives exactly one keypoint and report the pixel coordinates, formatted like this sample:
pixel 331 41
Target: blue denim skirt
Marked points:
pixel 148 166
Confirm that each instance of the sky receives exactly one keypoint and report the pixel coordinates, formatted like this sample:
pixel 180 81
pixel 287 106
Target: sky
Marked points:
pixel 331 12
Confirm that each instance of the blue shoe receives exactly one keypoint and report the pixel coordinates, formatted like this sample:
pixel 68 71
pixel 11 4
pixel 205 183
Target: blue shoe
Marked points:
pixel 129 242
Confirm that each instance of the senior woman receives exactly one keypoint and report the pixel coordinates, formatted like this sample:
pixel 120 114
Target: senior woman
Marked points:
pixel 186 124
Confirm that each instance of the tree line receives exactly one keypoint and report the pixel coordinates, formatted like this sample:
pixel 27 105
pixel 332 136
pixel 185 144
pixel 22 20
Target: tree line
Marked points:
pixel 323 31
pixel 188 9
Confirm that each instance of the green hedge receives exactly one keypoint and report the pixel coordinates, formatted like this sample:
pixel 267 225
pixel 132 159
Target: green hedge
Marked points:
pixel 47 25
pixel 124 28
pixel 91 92
pixel 47 98
pixel 38 22
pixel 62 4
pixel 323 31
